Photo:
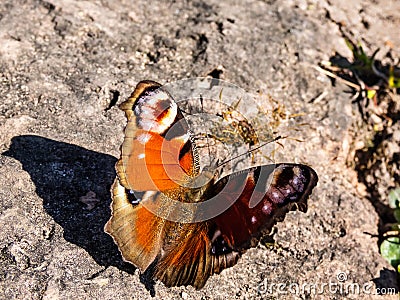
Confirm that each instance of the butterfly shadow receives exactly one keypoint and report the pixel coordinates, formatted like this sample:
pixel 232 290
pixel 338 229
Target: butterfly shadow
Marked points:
pixel 64 174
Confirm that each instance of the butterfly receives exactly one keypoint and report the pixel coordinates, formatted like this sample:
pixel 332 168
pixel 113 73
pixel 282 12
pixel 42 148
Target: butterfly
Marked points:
pixel 185 222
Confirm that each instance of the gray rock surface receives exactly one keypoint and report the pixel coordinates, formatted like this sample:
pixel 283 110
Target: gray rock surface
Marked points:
pixel 62 63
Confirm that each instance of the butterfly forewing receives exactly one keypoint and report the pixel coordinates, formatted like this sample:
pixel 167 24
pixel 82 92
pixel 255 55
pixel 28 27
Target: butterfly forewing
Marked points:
pixel 157 152
pixel 156 155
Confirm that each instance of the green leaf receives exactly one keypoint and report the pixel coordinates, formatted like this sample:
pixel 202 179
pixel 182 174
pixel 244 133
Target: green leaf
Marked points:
pixel 390 250
pixel 395 227
pixel 349 44
pixel 394 198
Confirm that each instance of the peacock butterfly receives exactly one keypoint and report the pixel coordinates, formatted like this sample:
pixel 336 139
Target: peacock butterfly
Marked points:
pixel 188 223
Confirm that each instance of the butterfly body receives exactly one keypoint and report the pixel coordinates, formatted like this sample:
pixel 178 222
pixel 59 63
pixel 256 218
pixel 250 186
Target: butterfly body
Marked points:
pixel 190 223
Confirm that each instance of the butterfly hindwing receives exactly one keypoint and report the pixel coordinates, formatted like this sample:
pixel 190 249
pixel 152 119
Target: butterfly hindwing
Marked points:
pixel 269 192
pixel 190 261
pixel 256 199
pixel 135 230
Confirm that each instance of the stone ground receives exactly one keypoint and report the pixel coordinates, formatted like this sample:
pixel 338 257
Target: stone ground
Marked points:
pixel 64 64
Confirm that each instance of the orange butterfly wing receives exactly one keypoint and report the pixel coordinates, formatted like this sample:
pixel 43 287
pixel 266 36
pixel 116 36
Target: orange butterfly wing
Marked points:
pixel 135 230
pixel 156 156
pixel 157 153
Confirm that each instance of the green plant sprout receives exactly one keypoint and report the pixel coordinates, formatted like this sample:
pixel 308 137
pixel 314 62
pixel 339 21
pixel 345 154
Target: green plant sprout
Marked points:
pixel 390 247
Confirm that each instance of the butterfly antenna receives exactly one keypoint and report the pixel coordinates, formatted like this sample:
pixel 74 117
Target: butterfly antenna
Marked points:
pixel 202 111
pixel 251 150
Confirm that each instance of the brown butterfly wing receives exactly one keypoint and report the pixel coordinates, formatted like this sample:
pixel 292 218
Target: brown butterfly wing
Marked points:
pixel 189 261
pixel 135 230
pixel 260 197
pixel 157 155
